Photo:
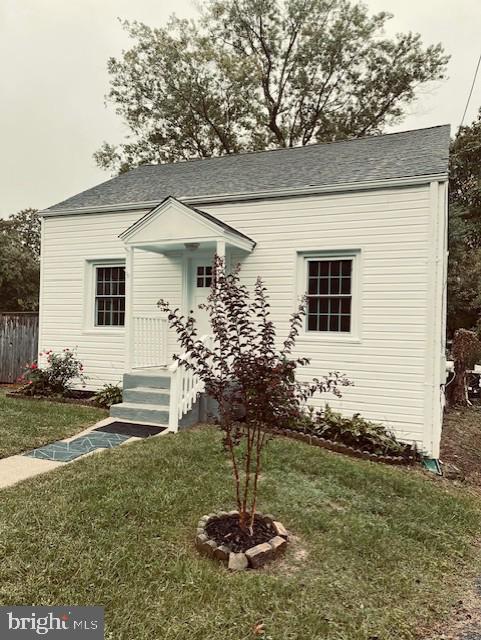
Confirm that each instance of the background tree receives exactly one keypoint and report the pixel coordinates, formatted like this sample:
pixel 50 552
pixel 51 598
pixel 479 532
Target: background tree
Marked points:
pixel 19 261
pixel 26 225
pixel 257 74
pixel 464 271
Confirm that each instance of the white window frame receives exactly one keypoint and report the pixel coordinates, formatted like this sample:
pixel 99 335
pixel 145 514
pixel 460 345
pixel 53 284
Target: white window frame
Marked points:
pixel 90 284
pixel 303 259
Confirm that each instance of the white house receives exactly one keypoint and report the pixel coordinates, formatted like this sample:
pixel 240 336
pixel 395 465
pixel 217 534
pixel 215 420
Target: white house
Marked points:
pixel 360 226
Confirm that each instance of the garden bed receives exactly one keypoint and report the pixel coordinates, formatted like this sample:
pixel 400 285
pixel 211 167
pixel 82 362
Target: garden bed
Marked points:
pixel 219 536
pixel 339 447
pixel 84 398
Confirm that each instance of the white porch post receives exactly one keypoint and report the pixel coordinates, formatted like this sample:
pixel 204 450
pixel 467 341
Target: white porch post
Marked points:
pixel 129 308
pixel 220 249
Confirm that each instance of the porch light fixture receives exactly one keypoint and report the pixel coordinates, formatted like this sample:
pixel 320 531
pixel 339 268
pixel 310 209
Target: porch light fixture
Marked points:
pixel 191 246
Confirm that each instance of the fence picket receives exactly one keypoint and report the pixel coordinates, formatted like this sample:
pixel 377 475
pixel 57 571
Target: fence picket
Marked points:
pixel 18 343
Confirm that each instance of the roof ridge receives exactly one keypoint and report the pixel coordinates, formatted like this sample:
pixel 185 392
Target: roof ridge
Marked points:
pixel 305 146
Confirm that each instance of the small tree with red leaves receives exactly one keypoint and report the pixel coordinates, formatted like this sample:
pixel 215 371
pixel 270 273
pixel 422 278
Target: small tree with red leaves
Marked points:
pixel 254 383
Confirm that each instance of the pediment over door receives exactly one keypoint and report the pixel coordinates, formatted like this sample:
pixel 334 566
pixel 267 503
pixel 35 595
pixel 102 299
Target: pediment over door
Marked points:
pixel 172 225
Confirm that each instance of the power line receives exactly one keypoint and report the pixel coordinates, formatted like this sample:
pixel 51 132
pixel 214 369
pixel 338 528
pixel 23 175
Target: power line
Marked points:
pixel 471 91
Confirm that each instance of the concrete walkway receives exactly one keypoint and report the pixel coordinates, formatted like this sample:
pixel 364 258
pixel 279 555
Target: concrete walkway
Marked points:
pixel 20 467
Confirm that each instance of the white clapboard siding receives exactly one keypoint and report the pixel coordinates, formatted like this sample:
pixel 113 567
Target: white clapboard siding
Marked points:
pixel 392 228
pixel 68 242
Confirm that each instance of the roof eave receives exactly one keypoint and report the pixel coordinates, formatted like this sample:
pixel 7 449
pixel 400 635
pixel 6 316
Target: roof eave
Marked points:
pixel 259 195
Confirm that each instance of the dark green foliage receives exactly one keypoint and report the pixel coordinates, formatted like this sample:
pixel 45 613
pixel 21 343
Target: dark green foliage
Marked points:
pixel 465 172
pixel 108 395
pixel 62 370
pixel 19 261
pixel 355 432
pixel 258 74
pixel 464 272
pixel 26 225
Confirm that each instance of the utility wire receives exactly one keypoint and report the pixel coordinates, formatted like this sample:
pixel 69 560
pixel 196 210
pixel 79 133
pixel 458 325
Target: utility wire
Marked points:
pixel 471 91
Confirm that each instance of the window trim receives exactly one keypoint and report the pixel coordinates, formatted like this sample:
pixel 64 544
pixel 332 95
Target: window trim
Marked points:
pixel 98 297
pixel 203 277
pixel 303 259
pixel 90 288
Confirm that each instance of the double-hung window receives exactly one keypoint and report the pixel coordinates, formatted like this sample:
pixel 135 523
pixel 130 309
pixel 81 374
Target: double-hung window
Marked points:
pixel 329 292
pixel 110 296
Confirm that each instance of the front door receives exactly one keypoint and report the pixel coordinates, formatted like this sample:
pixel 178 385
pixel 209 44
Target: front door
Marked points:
pixel 200 281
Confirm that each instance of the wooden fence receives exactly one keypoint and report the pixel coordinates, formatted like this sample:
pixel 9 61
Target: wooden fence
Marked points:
pixel 18 343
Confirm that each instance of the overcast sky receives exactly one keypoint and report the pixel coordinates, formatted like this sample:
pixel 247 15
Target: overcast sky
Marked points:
pixel 53 80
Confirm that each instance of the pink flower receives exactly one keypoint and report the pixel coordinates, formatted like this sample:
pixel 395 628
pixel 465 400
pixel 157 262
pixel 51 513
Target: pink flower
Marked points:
pixel 33 366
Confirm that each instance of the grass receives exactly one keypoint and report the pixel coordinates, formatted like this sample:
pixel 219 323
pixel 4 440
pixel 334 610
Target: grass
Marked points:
pixel 28 424
pixel 378 552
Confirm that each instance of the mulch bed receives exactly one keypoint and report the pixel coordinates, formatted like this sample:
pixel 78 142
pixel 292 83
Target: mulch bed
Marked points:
pixel 81 400
pixel 338 447
pixel 226 531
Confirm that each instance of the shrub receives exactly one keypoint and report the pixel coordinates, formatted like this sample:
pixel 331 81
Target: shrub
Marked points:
pixel 57 377
pixel 253 382
pixel 356 432
pixel 108 395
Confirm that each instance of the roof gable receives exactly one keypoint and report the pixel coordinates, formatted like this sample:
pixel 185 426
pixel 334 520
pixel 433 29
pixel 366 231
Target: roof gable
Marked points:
pixel 173 222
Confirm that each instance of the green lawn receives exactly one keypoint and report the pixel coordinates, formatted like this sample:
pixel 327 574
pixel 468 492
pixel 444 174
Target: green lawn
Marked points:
pixel 379 552
pixel 27 424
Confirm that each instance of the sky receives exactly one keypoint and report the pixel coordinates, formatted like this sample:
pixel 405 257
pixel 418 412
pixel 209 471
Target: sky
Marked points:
pixel 53 81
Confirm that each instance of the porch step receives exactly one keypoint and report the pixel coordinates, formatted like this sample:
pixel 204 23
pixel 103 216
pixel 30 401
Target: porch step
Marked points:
pixel 144 379
pixel 137 412
pixel 147 395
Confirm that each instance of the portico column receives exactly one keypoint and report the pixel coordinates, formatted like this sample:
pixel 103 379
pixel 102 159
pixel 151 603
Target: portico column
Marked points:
pixel 220 249
pixel 129 308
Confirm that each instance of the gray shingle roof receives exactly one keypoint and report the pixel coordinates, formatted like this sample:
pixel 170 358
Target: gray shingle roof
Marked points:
pixel 396 155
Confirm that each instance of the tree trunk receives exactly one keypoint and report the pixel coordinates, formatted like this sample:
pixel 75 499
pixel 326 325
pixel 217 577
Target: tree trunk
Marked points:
pixel 457 390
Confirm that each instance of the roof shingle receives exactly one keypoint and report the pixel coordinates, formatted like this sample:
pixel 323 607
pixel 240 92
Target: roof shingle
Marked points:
pixel 376 158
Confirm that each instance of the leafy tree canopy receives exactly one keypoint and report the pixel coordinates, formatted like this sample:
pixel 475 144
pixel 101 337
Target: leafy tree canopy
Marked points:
pixel 256 74
pixel 19 261
pixel 26 226
pixel 465 175
pixel 464 271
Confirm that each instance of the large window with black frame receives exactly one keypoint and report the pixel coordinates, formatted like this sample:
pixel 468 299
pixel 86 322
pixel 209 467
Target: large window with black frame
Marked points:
pixel 110 296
